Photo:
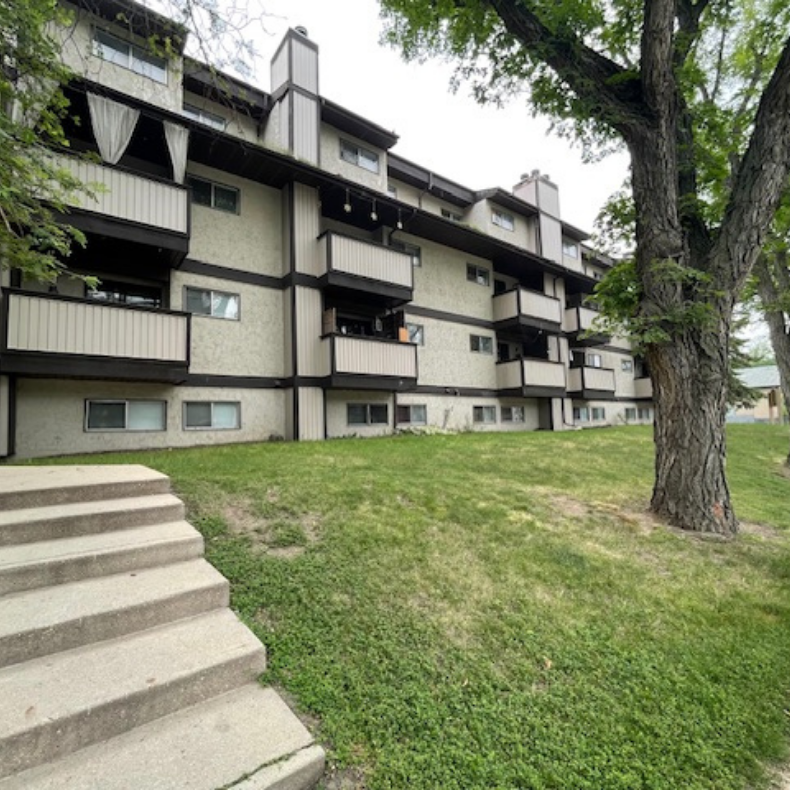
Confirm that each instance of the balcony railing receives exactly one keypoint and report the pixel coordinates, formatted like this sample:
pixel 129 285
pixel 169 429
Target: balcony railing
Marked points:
pixel 531 377
pixel 130 197
pixel 529 308
pixel 643 388
pixel 591 382
pixel 361 265
pixel 62 336
pixel 371 363
pixel 578 321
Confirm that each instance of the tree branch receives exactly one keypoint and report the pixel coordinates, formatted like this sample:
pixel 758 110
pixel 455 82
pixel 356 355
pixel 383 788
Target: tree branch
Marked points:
pixel 613 91
pixel 759 183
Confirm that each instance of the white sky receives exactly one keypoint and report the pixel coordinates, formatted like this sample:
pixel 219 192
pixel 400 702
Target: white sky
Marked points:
pixel 477 146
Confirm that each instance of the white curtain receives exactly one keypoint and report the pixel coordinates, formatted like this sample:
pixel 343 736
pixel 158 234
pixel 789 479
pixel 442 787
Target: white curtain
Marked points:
pixel 177 138
pixel 113 126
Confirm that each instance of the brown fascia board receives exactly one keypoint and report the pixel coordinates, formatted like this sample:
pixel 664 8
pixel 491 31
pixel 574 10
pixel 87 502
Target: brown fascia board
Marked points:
pixel 422 178
pixel 506 200
pixel 221 87
pixel 357 126
pixel 138 19
pixel 574 233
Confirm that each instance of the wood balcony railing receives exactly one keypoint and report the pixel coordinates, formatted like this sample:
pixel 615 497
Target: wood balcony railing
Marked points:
pixel 371 363
pixel 591 382
pixel 528 308
pixel 531 377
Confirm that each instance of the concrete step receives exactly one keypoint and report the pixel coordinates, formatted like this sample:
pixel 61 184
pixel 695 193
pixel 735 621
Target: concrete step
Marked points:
pixel 41 486
pixel 85 518
pixel 248 732
pixel 48 620
pixel 55 705
pixel 31 565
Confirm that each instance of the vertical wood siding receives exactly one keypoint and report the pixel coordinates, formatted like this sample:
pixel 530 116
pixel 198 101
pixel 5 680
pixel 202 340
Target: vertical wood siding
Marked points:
pixel 372 261
pixel 370 357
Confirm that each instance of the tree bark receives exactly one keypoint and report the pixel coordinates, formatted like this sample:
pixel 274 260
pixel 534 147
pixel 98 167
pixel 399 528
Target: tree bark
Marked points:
pixel 773 279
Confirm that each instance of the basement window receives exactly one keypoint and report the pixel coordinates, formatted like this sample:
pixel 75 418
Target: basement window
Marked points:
pixel 125 415
pixel 412 415
pixel 512 414
pixel 212 415
pixel 367 414
pixel 484 414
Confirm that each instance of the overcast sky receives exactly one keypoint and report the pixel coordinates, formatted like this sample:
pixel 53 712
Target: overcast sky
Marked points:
pixel 480 147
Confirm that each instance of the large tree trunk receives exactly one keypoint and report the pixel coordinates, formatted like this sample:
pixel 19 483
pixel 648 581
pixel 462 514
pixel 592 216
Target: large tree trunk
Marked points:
pixel 690 389
pixel 773 282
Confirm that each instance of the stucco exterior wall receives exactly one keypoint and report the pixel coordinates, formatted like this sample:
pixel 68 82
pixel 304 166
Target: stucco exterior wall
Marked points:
pixel 77 54
pixel 480 216
pixel 251 346
pixel 337 414
pixel 405 192
pixel 251 240
pixel 239 124
pixel 51 416
pixel 440 283
pixel 331 162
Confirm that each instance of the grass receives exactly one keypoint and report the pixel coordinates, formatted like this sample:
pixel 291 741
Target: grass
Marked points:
pixel 497 611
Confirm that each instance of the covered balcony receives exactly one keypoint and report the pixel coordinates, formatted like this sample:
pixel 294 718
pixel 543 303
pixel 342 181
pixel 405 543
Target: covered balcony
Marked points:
pixel 643 388
pixel 579 321
pixel 371 363
pixel 355 265
pixel 521 307
pixel 531 378
pixel 49 335
pixel 591 383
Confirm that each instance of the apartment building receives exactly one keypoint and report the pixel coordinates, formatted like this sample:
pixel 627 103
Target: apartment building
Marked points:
pixel 270 268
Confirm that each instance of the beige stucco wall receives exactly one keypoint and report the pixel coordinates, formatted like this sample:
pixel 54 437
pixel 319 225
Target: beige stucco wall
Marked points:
pixel 455 413
pixel 251 346
pixel 405 192
pixel 480 216
pixel 239 124
pixel 337 416
pixel 441 284
pixel 77 54
pixel 615 412
pixel 51 416
pixel 250 240
pixel 446 359
pixel 332 163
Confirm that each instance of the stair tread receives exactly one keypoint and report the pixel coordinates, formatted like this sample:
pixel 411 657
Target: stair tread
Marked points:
pixel 205 747
pixel 49 607
pixel 55 687
pixel 90 507
pixel 40 552
pixel 22 479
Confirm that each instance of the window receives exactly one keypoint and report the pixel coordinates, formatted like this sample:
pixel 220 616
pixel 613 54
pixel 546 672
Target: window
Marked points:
pixel 570 248
pixel 581 414
pixel 484 414
pixel 481 344
pixel 593 360
pixel 627 365
pixel 129 56
pixel 416 333
pixel 205 117
pixel 503 220
pixel 645 414
pixel 216 304
pixel 451 215
pixel 409 249
pixel 207 193
pixel 630 413
pixel 367 414
pixel 412 415
pixel 125 415
pixel 359 156
pixel 392 190
pixel 125 293
pixel 215 415
pixel 598 413
pixel 477 274
pixel 512 414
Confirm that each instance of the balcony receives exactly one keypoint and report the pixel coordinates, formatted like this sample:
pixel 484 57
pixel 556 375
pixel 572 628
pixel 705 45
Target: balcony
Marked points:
pixel 352 264
pixel 63 337
pixel 522 307
pixel 643 388
pixel 578 322
pixel 591 383
pixel 371 363
pixel 130 206
pixel 531 378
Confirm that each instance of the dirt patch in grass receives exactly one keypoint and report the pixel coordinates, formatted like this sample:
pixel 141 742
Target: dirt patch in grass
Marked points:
pixel 285 536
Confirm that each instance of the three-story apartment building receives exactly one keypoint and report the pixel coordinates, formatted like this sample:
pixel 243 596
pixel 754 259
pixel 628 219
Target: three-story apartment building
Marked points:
pixel 270 268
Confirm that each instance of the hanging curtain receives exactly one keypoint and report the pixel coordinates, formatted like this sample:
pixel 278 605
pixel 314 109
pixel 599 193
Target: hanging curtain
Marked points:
pixel 113 126
pixel 177 138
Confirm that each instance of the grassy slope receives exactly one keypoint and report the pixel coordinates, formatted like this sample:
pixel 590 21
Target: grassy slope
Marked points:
pixel 459 620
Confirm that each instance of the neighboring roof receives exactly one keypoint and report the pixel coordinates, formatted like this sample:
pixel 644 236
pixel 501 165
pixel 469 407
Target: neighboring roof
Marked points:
pixel 759 378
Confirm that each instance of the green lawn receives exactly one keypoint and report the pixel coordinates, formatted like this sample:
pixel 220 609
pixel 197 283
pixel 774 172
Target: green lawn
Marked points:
pixel 497 611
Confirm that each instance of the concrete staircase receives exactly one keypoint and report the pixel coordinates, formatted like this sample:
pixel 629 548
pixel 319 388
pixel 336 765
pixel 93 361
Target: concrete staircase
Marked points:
pixel 121 666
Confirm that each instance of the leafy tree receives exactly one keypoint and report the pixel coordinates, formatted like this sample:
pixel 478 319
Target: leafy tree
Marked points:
pixel 699 93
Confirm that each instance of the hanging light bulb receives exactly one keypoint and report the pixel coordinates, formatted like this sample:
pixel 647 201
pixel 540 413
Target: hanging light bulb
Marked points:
pixel 373 215
pixel 400 221
pixel 347 204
